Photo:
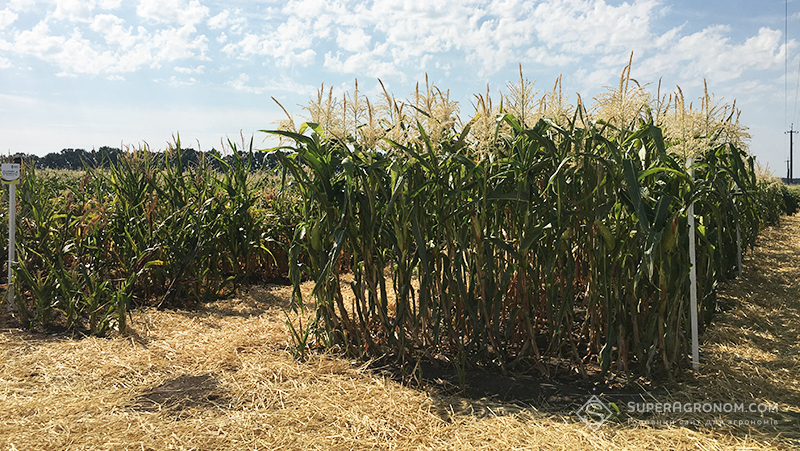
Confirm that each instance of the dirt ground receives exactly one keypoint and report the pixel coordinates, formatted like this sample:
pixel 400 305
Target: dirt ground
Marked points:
pixel 222 377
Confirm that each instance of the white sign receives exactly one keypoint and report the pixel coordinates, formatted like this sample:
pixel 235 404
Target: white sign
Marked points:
pixel 10 173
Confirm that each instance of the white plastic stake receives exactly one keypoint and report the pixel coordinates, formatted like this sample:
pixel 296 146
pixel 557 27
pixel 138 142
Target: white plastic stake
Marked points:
pixel 12 223
pixel 9 175
pixel 693 278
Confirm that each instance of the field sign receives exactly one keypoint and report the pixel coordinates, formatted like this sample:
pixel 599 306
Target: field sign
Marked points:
pixel 10 173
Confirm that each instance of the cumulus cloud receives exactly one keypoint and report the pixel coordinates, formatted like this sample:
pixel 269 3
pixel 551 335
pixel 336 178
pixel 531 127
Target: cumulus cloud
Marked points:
pixel 219 21
pixel 176 43
pixel 37 41
pixel 113 30
pixel 393 35
pixel 21 5
pixel 175 81
pixel 109 4
pixel 233 22
pixel 592 26
pixel 710 54
pixel 242 84
pixel 74 10
pixel 353 40
pixel 360 63
pixel 386 38
pixel 190 70
pixel 290 44
pixel 172 11
pixel 7 18
pixel 81 10
pixel 126 51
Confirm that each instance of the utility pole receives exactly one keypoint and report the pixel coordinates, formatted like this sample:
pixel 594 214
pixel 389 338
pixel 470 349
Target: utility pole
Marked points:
pixel 791 132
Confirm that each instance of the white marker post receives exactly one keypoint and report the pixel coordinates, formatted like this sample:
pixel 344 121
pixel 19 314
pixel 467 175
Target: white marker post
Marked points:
pixel 10 177
pixel 693 277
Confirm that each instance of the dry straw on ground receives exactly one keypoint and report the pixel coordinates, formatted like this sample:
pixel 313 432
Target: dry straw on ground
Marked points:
pixel 222 378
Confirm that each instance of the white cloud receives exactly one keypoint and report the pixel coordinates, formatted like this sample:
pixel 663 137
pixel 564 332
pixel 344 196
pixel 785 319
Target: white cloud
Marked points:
pixel 219 21
pixel 596 78
pixel 124 52
pixel 353 40
pixel 242 83
pixel 235 22
pixel 413 29
pixel 109 4
pixel 360 63
pixel 292 35
pixel 592 26
pixel 710 54
pixel 74 10
pixel 302 59
pixel 176 43
pixel 7 18
pixel 389 38
pixel 175 81
pixel 37 41
pixel 541 55
pixel 322 26
pixel 490 34
pixel 250 44
pixel 21 5
pixel 172 11
pixel 754 87
pixel 5 63
pixel 190 70
pixel 290 44
pixel 112 29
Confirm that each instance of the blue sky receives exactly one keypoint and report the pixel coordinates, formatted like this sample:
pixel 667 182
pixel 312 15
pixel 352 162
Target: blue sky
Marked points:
pixel 91 73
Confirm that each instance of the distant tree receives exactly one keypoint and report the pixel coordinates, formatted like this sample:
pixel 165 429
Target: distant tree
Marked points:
pixel 105 156
pixel 75 159
pixel 66 159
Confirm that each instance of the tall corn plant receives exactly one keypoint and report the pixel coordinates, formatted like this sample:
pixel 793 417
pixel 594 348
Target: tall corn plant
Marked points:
pixel 564 240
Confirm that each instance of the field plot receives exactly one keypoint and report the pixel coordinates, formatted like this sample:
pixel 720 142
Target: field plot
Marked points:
pixel 517 280
pixel 222 377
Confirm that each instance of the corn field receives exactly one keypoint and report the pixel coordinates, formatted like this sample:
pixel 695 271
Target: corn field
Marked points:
pixel 534 230
pixel 149 230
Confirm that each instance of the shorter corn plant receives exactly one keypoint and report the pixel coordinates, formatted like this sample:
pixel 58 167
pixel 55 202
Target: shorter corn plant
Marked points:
pixel 145 229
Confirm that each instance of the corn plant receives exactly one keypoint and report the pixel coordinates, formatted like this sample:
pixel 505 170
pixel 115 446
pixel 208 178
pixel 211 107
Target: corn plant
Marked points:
pixel 146 228
pixel 564 237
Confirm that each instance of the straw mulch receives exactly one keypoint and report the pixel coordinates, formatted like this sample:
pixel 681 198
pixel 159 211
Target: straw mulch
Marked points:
pixel 223 378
